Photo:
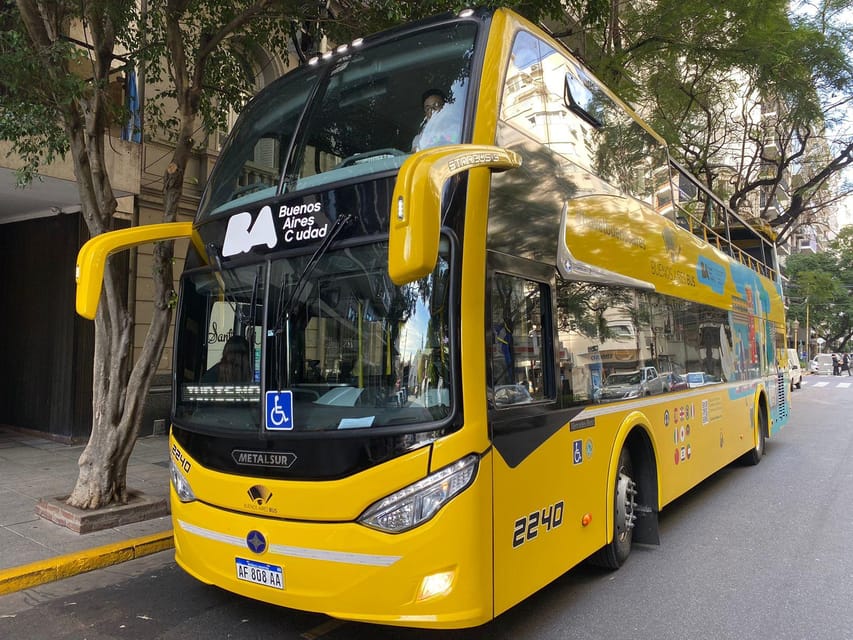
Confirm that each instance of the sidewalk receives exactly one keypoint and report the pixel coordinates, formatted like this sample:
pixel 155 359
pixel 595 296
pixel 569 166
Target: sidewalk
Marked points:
pixel 34 550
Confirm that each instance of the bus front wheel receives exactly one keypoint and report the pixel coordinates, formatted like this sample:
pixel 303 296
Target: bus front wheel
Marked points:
pixel 614 553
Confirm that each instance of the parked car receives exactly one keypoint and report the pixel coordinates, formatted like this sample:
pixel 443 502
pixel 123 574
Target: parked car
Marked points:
pixel 695 379
pixel 795 372
pixel 821 364
pixel 631 384
pixel 700 379
pixel 512 394
pixel 674 382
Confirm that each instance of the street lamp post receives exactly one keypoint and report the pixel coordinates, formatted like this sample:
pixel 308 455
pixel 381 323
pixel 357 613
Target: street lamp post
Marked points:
pixel 808 335
pixel 795 325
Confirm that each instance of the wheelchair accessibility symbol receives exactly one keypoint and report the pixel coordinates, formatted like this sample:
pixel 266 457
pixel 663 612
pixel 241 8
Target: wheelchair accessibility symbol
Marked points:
pixel 577 452
pixel 279 414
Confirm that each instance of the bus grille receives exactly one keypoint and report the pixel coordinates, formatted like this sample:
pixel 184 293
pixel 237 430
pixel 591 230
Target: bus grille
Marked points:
pixel 781 401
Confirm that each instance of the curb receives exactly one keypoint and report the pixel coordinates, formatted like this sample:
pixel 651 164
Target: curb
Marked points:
pixel 72 564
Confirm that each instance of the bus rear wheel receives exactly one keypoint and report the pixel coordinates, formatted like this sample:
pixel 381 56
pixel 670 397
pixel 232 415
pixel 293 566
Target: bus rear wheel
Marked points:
pixel 754 455
pixel 614 553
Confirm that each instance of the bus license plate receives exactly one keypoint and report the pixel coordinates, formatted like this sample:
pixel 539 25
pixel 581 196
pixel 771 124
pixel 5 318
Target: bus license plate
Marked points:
pixel 268 575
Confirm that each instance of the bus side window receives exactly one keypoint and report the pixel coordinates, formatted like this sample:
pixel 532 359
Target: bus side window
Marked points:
pixel 520 348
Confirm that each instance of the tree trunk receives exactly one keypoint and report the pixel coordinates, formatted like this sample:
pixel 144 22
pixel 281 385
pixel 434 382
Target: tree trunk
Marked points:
pixel 118 398
pixel 120 386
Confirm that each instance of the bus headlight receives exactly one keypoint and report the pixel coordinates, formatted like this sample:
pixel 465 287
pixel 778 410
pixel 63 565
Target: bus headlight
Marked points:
pixel 417 503
pixel 180 483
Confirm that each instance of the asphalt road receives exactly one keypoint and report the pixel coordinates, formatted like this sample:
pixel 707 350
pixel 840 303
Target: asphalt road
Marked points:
pixel 755 552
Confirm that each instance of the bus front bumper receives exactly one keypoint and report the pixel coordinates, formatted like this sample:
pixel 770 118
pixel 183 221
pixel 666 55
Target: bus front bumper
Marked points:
pixel 344 570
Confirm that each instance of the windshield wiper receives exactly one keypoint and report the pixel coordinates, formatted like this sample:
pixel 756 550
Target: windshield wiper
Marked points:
pixel 285 308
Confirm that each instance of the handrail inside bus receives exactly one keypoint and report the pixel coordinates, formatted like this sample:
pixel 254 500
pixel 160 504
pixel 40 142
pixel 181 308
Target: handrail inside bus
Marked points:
pixel 764 265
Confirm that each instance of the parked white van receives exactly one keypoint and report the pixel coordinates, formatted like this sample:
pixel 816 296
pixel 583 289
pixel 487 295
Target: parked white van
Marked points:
pixel 822 364
pixel 795 371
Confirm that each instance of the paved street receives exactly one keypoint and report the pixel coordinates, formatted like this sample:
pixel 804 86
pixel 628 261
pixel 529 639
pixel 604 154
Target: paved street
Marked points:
pixel 754 552
pixel 840 382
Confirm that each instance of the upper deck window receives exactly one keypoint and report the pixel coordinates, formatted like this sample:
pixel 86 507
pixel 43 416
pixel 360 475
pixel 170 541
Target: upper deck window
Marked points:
pixel 356 115
pixel 249 167
pixel 553 100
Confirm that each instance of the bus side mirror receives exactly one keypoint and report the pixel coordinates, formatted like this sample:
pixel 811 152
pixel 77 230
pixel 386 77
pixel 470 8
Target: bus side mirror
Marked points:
pixel 416 203
pixel 92 257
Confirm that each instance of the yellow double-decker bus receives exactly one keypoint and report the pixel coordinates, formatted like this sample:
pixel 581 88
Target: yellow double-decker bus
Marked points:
pixel 426 361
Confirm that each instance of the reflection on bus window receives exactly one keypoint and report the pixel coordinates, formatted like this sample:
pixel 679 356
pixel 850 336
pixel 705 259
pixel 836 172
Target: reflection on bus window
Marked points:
pixel 357 116
pixel 218 367
pixel 633 343
pixel 352 348
pixel 367 114
pixel 356 349
pixel 251 161
pixel 550 98
pixel 519 358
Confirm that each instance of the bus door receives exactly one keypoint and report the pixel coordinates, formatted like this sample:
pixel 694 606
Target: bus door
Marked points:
pixel 530 473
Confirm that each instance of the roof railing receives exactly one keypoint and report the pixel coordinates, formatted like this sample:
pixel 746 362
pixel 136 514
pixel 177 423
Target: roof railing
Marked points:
pixel 726 224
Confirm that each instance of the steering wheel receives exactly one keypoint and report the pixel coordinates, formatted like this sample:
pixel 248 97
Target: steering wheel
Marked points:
pixel 376 153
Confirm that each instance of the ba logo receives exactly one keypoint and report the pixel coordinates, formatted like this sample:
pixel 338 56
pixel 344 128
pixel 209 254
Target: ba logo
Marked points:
pixel 260 495
pixel 241 234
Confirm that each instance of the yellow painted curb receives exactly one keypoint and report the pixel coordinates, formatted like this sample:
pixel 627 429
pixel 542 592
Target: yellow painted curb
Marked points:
pixel 72 564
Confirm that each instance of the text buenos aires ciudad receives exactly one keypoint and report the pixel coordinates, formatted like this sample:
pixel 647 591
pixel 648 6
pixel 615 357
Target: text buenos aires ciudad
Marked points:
pixel 246 231
pixel 298 222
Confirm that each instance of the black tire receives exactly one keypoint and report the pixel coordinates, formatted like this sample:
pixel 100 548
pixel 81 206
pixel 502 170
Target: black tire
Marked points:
pixel 800 383
pixel 614 553
pixel 754 455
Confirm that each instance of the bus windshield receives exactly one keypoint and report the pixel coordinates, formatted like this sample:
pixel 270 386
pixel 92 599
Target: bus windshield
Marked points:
pixel 362 114
pixel 353 349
